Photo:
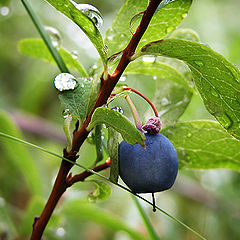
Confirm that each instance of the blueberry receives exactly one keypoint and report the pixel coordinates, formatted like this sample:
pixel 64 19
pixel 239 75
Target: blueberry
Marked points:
pixel 149 170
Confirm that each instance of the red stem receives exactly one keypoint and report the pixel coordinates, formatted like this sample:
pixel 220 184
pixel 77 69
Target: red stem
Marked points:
pixel 145 98
pixel 80 135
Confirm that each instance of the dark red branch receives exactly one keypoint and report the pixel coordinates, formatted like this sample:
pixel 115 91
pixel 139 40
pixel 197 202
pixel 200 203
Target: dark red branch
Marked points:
pixel 79 136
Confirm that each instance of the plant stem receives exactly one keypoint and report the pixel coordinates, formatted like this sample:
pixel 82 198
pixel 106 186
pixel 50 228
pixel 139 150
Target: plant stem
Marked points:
pixel 57 57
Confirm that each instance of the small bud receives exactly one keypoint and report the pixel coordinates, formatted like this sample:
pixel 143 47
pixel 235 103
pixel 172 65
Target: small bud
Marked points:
pixel 153 125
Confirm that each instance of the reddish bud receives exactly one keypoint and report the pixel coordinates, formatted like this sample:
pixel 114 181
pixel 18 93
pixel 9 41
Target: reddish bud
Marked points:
pixel 153 125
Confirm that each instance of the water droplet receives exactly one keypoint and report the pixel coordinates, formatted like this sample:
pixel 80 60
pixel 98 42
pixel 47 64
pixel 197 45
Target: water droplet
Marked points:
pixel 225 121
pixel 118 109
pixel 54 36
pixel 134 23
pixel 189 134
pixel 60 232
pixel 122 79
pixel 149 59
pixel 74 54
pixel 65 81
pixel 82 85
pixel 91 12
pixel 66 113
pixel 155 77
pixel 199 63
pixel 164 3
pixel 105 48
pixel 184 15
pixel 122 35
pixel 4 11
pixel 115 57
pixel 164 101
pixel 214 92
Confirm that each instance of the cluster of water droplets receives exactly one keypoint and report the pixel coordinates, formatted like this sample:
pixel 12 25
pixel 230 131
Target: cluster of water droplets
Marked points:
pixel 91 12
pixel 118 109
pixel 54 36
pixel 65 81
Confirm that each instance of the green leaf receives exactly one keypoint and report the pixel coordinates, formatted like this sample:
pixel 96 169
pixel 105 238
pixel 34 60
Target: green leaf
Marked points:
pixel 186 34
pixel 172 92
pixel 101 192
pixel 33 47
pixel 98 142
pixel 165 20
pixel 119 122
pixel 85 23
pixel 217 80
pixel 80 100
pixel 112 146
pixel 19 155
pixel 204 145
pixel 81 210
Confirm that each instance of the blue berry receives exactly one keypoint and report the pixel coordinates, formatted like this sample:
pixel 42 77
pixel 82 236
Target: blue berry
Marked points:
pixel 149 170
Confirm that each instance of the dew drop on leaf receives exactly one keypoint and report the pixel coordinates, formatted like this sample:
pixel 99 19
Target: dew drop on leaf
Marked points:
pixel 164 3
pixel 66 113
pixel 74 54
pixel 65 81
pixel 214 92
pixel 4 11
pixel 149 59
pixel 134 23
pixel 91 12
pixel 54 36
pixel 118 109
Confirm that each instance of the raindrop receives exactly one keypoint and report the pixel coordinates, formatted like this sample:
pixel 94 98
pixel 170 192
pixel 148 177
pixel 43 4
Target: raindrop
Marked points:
pixel 149 59
pixel 4 11
pixel 164 101
pixel 91 12
pixel 225 121
pixel 134 23
pixel 60 232
pixel 115 57
pixel 82 85
pixel 164 3
pixel 105 48
pixel 54 36
pixel 214 92
pixel 74 54
pixel 184 15
pixel 155 77
pixel 118 109
pixel 65 81
pixel 199 63
pixel 66 113
pixel 122 79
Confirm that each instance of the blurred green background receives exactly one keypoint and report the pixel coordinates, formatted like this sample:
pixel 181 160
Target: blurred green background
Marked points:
pixel 208 201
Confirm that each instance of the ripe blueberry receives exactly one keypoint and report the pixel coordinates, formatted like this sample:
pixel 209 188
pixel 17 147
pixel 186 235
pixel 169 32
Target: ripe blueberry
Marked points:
pixel 149 170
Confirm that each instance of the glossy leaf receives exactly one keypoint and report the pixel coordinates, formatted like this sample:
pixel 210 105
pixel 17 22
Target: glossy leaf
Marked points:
pixel 34 47
pixel 204 145
pixel 112 146
pixel 172 92
pixel 19 155
pixel 217 80
pixel 119 122
pixel 102 191
pixel 86 24
pixel 79 100
pixel 81 210
pixel 165 20
pixel 98 142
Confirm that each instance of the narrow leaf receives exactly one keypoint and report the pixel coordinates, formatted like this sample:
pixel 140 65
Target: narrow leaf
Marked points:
pixel 217 80
pixel 98 142
pixel 204 145
pixel 101 192
pixel 85 23
pixel 19 155
pixel 112 146
pixel 165 20
pixel 119 122
pixel 34 47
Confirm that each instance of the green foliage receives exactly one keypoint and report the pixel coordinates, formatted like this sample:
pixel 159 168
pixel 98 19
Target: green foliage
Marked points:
pixel 204 145
pixel 119 122
pixel 33 47
pixel 19 155
pixel 101 192
pixel 98 139
pixel 217 80
pixel 81 210
pixel 112 145
pixel 165 20
pixel 86 24
pixel 80 100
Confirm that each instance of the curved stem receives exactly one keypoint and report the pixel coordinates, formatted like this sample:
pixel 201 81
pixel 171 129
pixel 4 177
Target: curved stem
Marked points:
pixel 145 98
